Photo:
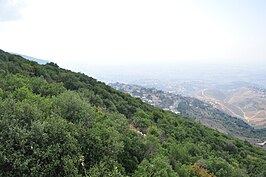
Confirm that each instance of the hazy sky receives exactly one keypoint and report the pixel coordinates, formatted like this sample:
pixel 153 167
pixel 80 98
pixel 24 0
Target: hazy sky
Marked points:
pixel 87 32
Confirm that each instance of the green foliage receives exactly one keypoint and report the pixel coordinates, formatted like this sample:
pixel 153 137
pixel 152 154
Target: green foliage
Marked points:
pixel 70 106
pixel 220 167
pixel 106 168
pixel 158 166
pixel 54 122
pixel 42 87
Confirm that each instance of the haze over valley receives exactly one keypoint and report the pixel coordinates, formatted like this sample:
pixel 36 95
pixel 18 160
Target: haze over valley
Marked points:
pixel 238 90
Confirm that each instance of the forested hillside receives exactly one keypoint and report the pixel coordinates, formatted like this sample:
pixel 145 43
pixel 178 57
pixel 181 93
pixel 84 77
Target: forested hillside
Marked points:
pixel 54 122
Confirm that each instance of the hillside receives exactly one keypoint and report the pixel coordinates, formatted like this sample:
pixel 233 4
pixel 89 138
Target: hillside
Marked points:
pixel 195 109
pixel 247 103
pixel 55 122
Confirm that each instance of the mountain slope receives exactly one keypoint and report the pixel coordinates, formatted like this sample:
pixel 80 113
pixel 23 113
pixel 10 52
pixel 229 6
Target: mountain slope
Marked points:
pixel 195 109
pixel 55 122
pixel 247 103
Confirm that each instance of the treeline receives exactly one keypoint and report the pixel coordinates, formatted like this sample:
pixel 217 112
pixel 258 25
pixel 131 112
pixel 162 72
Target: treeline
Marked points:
pixel 54 122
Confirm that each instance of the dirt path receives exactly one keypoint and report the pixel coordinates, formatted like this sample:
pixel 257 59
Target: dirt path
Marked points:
pixel 224 107
pixel 256 114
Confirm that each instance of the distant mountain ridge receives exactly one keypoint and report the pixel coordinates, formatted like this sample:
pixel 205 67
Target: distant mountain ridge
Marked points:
pixel 40 61
pixel 195 109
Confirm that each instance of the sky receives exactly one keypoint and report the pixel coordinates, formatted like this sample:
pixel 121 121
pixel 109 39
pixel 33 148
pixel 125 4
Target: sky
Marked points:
pixel 83 33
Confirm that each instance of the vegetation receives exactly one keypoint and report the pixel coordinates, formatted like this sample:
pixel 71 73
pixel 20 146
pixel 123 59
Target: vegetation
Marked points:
pixel 54 122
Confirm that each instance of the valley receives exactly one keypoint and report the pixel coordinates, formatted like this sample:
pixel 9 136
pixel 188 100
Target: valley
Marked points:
pixel 205 112
pixel 246 103
pixel 242 99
